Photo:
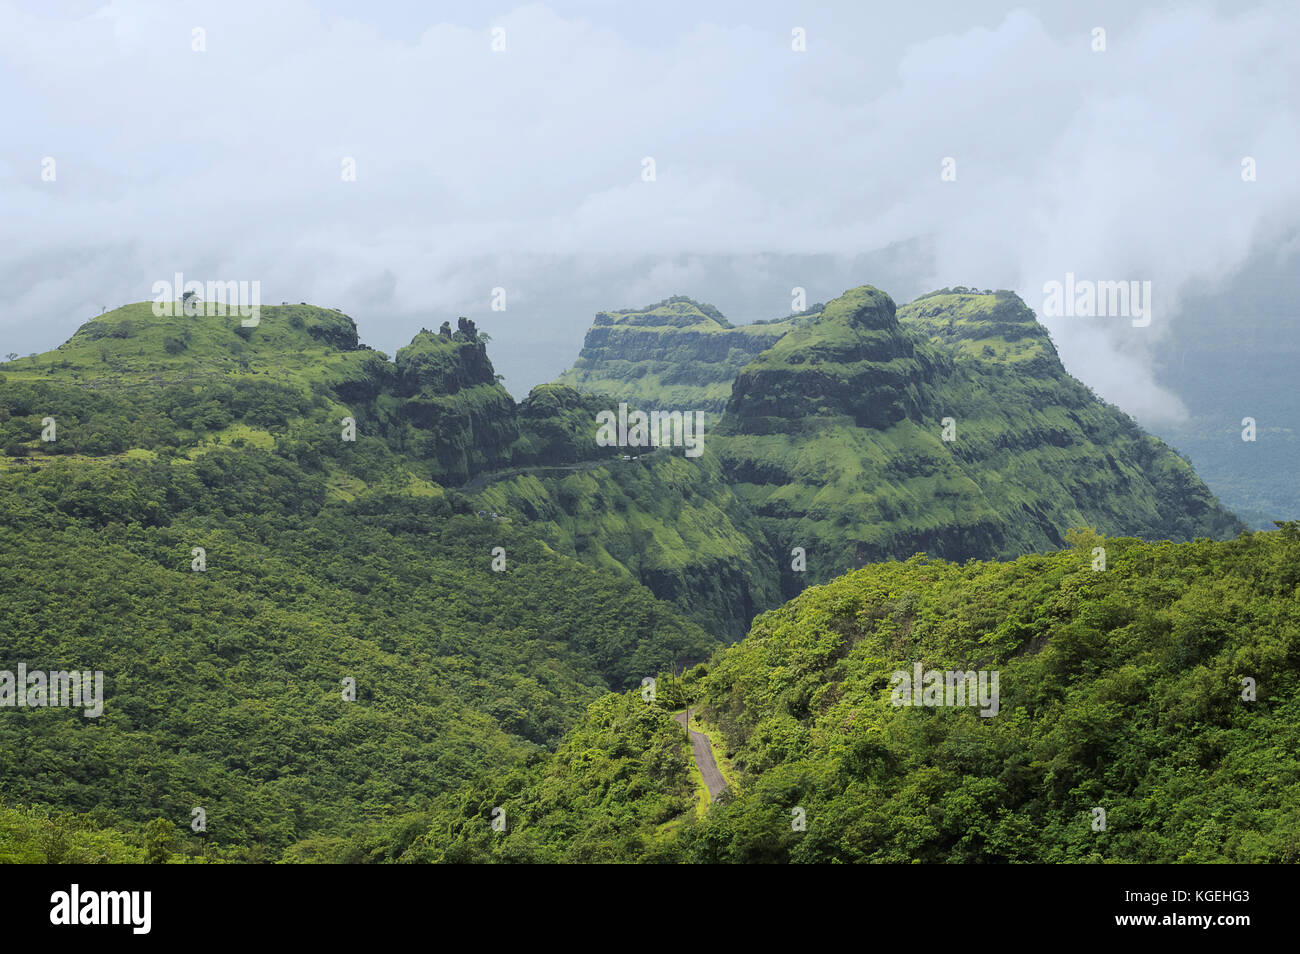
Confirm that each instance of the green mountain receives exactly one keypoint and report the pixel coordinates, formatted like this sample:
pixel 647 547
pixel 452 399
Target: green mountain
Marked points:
pixel 832 437
pixel 949 427
pixel 675 354
pixel 200 530
pixel 1040 436
pixel 329 591
pixel 1148 712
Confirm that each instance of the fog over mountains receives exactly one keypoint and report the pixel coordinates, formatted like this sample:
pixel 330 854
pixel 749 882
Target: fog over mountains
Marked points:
pixel 761 155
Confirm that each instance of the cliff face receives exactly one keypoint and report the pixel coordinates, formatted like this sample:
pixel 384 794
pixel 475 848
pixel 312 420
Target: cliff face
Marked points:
pixel 450 408
pixel 949 427
pixel 678 354
pixel 832 437
pixel 1039 439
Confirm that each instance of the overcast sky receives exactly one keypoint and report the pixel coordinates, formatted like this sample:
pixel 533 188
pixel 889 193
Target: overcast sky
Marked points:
pixel 522 168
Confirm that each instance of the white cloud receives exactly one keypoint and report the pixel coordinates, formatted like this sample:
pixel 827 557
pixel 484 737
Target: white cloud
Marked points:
pixel 477 169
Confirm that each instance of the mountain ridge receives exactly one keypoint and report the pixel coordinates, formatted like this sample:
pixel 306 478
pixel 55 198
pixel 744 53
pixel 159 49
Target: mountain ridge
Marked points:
pixel 830 438
pixel 328 489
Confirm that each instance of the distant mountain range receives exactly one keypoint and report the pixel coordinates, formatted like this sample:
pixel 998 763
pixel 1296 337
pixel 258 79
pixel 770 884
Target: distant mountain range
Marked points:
pixel 832 429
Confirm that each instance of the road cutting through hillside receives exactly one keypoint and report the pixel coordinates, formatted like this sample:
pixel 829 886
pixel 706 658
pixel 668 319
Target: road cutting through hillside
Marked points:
pixel 548 470
pixel 703 752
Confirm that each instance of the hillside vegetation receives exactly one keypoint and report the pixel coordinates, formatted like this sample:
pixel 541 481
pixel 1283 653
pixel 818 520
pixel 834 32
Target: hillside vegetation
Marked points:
pixel 129 385
pixel 860 434
pixel 1121 689
pixel 343 602
pixel 323 560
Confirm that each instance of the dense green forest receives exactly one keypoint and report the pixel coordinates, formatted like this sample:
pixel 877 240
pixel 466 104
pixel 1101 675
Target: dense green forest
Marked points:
pixel 1121 689
pixel 224 685
pixel 346 604
pixel 324 560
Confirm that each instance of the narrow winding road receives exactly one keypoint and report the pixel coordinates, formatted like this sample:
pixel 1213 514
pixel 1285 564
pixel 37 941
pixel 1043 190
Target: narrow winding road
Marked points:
pixel 703 753
pixel 549 470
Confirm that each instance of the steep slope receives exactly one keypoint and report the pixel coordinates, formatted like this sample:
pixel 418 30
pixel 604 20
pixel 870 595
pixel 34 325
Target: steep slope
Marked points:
pixel 675 354
pixel 447 406
pixel 858 438
pixel 829 437
pixel 1164 691
pixel 472 643
pixel 1031 434
pixel 670 522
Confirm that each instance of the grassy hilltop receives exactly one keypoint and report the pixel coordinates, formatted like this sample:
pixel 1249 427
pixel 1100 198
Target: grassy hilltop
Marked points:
pixel 833 435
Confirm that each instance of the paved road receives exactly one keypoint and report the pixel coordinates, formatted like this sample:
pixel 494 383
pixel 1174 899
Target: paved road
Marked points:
pixel 551 470
pixel 703 753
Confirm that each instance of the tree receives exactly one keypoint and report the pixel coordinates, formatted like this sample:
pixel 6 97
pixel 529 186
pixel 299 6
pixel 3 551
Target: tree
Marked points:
pixel 1084 538
pixel 159 839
